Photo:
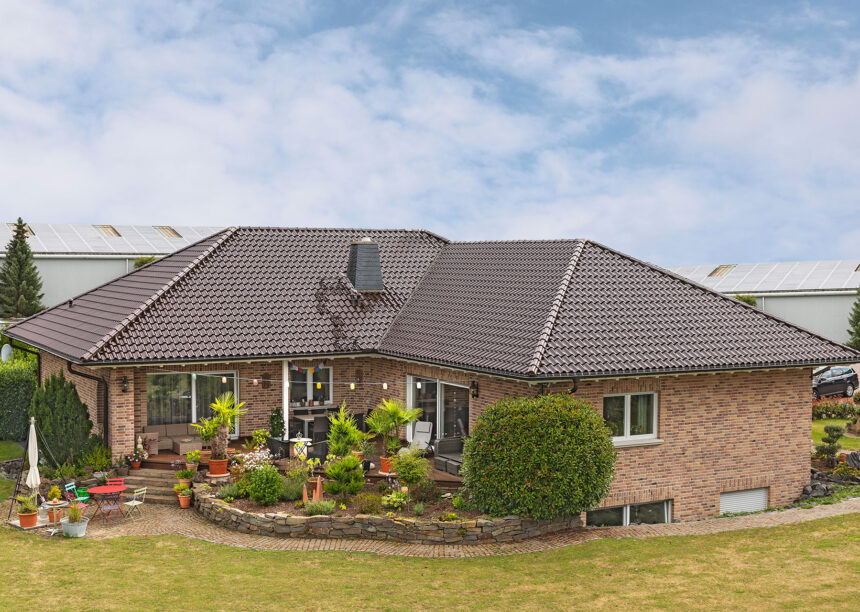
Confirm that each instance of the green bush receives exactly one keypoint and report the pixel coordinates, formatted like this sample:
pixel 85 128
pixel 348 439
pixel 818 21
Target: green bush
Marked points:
pixel 63 418
pixel 291 489
pixel 323 506
pixel 833 410
pixel 830 443
pixel 411 467
pixel 229 491
pixel 541 457
pixel 424 491
pixel 18 382
pixel 346 476
pixel 343 433
pixel 396 499
pixel 418 508
pixel 276 422
pixel 265 485
pixel 98 456
pixel 368 503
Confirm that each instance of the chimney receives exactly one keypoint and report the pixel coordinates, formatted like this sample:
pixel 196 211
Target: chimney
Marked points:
pixel 365 271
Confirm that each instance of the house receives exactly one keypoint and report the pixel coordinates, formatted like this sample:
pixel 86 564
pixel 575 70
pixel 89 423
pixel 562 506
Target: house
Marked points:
pixel 709 398
pixel 75 257
pixel 814 295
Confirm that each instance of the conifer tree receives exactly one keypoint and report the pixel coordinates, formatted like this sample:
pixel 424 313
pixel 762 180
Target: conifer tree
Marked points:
pixel 854 322
pixel 63 418
pixel 20 284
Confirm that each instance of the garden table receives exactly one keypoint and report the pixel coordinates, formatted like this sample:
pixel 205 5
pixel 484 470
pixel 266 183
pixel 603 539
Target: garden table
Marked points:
pixel 56 527
pixel 300 446
pixel 105 490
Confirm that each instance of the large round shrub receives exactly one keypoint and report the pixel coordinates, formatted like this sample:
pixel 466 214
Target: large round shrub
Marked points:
pixel 542 457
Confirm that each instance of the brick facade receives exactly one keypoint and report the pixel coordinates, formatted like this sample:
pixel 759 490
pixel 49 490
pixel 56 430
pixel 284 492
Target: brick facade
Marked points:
pixel 720 431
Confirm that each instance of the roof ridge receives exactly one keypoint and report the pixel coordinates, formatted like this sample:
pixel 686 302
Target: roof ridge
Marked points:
pixel 723 296
pixel 554 309
pixel 157 295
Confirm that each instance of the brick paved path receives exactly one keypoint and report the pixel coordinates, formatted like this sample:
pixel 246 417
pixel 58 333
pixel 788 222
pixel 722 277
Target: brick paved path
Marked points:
pixel 170 520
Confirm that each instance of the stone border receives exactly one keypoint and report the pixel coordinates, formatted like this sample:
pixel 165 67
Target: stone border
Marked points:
pixel 372 527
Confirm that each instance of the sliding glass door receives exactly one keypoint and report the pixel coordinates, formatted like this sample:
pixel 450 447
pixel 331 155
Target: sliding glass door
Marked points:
pixel 445 405
pixel 455 411
pixel 185 397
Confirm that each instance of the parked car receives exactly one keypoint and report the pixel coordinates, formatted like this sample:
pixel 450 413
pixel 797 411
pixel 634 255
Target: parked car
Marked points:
pixel 835 381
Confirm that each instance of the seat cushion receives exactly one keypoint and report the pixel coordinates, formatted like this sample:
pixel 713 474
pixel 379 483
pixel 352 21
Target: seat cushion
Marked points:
pixel 176 430
pixel 159 429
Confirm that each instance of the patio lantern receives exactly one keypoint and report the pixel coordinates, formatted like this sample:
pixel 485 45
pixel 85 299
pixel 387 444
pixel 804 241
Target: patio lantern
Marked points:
pixel 352 386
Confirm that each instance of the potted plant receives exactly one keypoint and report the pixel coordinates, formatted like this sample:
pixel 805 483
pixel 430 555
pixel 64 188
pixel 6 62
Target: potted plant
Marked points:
pixel 312 464
pixel 136 457
pixel 185 476
pixel 54 499
pixel 225 411
pixel 75 526
pixel 384 421
pixel 28 510
pixel 192 460
pixel 184 494
pixel 121 466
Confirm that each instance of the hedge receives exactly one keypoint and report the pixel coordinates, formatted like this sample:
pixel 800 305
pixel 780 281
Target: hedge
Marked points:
pixel 541 457
pixel 833 410
pixel 18 381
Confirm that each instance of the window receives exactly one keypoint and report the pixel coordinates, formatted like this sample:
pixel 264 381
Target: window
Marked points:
pixel 721 270
pixel 444 404
pixel 167 231
pixel 631 416
pixel 27 230
pixel 185 397
pixel 306 387
pixel 651 513
pixel 108 230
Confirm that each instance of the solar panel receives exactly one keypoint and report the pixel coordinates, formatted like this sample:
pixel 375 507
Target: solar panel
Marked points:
pixel 777 276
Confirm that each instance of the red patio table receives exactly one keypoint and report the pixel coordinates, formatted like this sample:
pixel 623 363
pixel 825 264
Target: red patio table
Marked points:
pixel 105 490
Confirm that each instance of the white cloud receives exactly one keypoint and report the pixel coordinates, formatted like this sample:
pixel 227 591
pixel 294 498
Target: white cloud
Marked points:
pixel 473 126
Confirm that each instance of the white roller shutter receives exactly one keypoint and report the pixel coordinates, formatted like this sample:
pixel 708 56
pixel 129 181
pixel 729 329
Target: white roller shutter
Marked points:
pixel 749 500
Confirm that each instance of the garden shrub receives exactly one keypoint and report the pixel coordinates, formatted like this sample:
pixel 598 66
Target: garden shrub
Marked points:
pixel 97 456
pixel 368 503
pixel 62 417
pixel 346 476
pixel 541 457
pixel 833 410
pixel 829 442
pixel 229 491
pixel 397 499
pixel 265 485
pixel 291 489
pixel 418 509
pixel 411 467
pixel 276 422
pixel 323 506
pixel 343 433
pixel 424 491
pixel 18 382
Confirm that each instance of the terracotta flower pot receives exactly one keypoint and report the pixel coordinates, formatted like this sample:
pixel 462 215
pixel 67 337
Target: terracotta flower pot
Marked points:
pixel 185 501
pixel 135 465
pixel 359 455
pixel 191 466
pixel 28 520
pixel 218 467
pixel 185 481
pixel 54 515
pixel 386 464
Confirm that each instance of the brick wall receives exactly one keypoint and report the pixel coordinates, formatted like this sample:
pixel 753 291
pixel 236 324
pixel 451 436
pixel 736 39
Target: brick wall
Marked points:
pixel 720 432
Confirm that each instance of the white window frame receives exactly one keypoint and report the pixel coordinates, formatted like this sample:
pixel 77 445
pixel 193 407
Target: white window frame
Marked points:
pixel 310 387
pixel 627 438
pixel 440 399
pixel 667 511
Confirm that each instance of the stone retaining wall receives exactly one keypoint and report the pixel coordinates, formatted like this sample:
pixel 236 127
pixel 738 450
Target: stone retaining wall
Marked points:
pixel 508 529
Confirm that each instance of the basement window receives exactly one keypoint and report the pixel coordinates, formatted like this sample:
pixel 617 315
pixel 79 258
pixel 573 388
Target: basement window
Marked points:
pixel 651 513
pixel 108 230
pixel 721 270
pixel 167 231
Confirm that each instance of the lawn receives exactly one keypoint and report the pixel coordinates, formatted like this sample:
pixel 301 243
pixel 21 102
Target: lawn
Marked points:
pixel 10 450
pixel 811 565
pixel 849 444
pixel 6 488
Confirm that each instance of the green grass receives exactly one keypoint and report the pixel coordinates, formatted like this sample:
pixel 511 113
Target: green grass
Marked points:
pixel 849 444
pixel 810 565
pixel 10 450
pixel 6 489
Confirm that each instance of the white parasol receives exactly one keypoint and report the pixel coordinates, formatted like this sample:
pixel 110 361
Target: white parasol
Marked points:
pixel 33 479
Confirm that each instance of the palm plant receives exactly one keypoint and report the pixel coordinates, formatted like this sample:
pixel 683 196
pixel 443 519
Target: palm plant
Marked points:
pixel 225 411
pixel 386 418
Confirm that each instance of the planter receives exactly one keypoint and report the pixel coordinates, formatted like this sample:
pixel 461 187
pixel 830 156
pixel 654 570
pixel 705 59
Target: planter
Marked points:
pixel 122 471
pixel 386 464
pixel 28 520
pixel 185 481
pixel 184 501
pixel 191 466
pixel 217 467
pixel 75 530
pixel 359 455
pixel 135 465
pixel 55 514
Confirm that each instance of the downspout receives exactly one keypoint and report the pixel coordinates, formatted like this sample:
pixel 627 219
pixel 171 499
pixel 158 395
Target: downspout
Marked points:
pixel 103 388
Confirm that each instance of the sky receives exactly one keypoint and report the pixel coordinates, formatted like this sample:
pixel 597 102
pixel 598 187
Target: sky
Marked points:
pixel 678 132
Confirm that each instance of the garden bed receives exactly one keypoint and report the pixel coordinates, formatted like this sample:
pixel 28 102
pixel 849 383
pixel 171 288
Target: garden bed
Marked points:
pixel 391 526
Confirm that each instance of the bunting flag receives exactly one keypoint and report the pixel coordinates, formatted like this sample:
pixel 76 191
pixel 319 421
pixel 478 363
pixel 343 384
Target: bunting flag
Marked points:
pixel 296 368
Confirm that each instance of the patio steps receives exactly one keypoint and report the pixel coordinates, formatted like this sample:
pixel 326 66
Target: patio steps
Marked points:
pixel 158 483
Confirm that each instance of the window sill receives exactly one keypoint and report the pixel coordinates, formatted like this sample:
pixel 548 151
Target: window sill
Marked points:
pixel 632 443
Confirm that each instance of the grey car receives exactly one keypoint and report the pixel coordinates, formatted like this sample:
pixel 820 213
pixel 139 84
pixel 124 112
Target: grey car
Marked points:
pixel 840 380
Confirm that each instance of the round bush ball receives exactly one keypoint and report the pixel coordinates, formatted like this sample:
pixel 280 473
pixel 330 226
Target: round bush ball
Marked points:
pixel 540 457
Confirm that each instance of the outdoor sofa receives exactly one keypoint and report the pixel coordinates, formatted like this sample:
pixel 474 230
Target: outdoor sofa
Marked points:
pixel 165 435
pixel 448 455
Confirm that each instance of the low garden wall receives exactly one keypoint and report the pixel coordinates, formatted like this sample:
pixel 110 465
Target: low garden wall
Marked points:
pixel 372 527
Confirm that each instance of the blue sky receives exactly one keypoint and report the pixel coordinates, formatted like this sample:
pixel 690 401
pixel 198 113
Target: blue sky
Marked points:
pixel 679 132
